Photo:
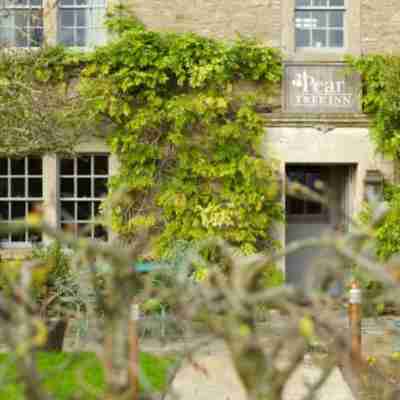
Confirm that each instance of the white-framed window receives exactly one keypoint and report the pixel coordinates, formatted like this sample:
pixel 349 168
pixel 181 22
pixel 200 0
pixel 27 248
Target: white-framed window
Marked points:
pixel 21 23
pixel 320 23
pixel 21 192
pixel 81 23
pixel 83 186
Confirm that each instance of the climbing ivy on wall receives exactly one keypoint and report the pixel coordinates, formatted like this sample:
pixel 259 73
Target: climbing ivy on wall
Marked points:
pixel 40 111
pixel 180 112
pixel 381 99
pixel 187 138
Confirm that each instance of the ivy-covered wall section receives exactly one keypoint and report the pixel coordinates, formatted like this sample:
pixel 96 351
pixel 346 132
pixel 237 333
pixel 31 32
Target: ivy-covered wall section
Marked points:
pixel 381 99
pixel 40 110
pixel 187 141
pixel 185 131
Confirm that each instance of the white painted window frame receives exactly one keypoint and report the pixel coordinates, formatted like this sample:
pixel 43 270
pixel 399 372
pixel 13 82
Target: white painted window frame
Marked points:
pixel 91 6
pixel 51 199
pixel 8 6
pixel 26 199
pixel 327 10
pixel 76 199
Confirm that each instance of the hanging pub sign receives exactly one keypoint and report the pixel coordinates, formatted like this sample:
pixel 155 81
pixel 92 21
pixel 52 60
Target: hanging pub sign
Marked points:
pixel 321 88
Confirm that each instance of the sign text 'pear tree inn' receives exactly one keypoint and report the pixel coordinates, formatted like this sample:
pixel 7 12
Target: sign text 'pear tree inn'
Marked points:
pixel 321 88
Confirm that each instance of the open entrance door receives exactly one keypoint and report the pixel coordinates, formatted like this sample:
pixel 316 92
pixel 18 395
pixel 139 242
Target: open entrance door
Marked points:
pixel 310 219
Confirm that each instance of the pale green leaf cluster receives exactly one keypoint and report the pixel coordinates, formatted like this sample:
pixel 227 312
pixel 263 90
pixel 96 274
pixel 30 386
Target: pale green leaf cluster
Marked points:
pixel 186 140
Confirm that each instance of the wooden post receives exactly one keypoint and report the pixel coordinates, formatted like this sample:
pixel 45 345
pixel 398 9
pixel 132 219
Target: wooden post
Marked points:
pixel 355 318
pixel 134 350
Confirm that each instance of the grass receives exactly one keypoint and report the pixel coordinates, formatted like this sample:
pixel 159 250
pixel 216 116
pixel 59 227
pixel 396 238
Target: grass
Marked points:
pixel 66 375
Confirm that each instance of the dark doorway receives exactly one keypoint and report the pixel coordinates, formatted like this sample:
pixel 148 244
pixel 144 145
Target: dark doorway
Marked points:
pixel 308 218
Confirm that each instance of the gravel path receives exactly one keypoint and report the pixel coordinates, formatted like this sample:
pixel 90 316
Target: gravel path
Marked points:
pixel 213 378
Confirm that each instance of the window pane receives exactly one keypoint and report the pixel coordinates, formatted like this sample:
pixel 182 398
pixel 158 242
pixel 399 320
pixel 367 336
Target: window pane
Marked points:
pixel 35 187
pixel 82 2
pixel 67 166
pixel 4 237
pixel 21 38
pixel 3 187
pixel 84 211
pixel 81 18
pixel 313 179
pixel 18 3
pixel 295 206
pixel 35 166
pixel 320 3
pixel 303 3
pixel 84 165
pixel 4 210
pixel 101 165
pixel 297 176
pixel 17 210
pixel 36 3
pixel 336 38
pixel 100 187
pixel 18 237
pixel 67 36
pixel 6 36
pixel 314 208
pixel 36 19
pixel 84 187
pixel 303 38
pixel 7 20
pixel 3 166
pixel 18 166
pixel 319 38
pixel 66 2
pixel 67 211
pixel 337 3
pixel 97 209
pixel 303 20
pixel 91 177
pixel 81 35
pixel 21 24
pixel 18 187
pixel 319 19
pixel 336 19
pixel 67 187
pixel 67 18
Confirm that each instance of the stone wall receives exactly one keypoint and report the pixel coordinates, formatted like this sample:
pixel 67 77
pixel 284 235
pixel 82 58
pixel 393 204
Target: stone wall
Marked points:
pixel 265 19
pixel 380 26
pixel 216 18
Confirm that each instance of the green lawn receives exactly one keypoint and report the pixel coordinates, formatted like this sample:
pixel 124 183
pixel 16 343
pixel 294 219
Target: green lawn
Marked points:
pixel 69 374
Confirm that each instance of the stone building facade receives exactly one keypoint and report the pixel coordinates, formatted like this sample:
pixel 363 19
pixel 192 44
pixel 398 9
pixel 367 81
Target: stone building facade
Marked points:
pixel 315 141
pixel 324 136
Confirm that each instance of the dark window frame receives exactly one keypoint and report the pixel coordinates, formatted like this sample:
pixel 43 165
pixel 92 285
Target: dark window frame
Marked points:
pixel 307 217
